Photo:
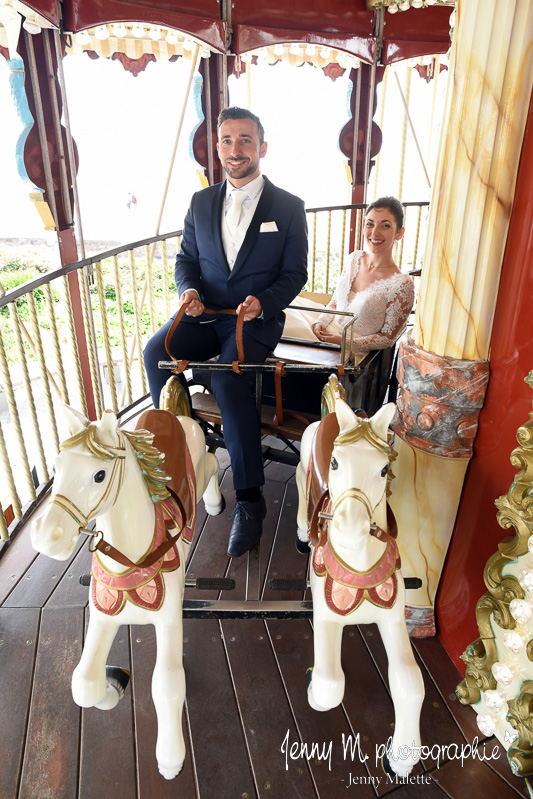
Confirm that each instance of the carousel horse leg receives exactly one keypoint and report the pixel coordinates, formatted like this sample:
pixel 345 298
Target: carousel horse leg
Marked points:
pixel 168 693
pixel 326 688
pixel 407 689
pixel 302 504
pixel 90 687
pixel 213 499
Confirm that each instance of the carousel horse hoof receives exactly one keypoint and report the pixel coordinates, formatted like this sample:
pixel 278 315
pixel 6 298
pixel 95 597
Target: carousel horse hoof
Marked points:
pixel 302 547
pixel 247 526
pixel 308 677
pixel 118 678
pixel 310 697
pixel 216 510
pixel 386 766
pixel 169 773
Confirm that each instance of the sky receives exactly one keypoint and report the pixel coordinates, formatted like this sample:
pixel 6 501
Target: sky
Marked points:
pixel 125 129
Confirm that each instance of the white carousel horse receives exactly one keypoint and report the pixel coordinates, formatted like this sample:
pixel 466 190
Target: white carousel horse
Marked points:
pixel 116 477
pixel 355 577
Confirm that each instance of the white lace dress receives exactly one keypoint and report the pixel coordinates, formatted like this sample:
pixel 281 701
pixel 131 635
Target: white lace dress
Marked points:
pixel 381 309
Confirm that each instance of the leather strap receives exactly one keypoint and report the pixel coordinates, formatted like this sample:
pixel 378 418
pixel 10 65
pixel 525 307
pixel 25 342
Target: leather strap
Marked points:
pixel 278 417
pixel 182 365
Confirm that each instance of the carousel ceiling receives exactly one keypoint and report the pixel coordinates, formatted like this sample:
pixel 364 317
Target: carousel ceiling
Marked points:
pixel 347 26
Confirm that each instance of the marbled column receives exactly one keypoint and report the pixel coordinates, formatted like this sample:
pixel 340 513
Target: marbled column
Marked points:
pixel 488 97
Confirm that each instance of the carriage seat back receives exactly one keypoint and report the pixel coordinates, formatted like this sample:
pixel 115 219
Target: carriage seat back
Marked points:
pixel 170 439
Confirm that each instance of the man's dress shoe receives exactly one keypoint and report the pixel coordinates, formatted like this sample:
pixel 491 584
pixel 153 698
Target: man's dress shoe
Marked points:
pixel 247 526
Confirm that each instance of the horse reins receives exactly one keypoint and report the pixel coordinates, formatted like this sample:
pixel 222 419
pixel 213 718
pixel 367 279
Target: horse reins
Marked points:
pixel 182 364
pixel 101 544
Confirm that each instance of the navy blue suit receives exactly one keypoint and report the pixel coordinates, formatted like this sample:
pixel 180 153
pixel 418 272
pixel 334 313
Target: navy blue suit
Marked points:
pixel 271 266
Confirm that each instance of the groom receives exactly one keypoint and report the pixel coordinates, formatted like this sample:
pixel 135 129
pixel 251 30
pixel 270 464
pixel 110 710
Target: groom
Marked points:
pixel 244 246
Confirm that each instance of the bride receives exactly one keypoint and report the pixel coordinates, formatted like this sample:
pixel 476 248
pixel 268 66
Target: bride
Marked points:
pixel 371 287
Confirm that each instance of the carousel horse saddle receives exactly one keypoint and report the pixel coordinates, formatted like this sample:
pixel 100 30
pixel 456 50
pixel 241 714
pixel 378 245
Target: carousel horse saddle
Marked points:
pixel 170 439
pixel 317 476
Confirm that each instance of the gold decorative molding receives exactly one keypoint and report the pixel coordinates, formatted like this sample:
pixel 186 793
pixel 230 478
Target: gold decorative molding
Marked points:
pixel 405 5
pixel 508 578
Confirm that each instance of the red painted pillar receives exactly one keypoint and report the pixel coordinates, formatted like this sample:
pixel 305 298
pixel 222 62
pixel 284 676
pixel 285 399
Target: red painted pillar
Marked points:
pixel 507 405
pixel 33 161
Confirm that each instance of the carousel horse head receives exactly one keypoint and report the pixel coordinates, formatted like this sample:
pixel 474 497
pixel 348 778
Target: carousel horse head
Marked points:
pixel 89 475
pixel 348 468
pixel 358 468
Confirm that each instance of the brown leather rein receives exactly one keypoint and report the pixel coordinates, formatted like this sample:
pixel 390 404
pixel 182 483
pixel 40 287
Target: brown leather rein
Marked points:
pixel 108 549
pixel 182 365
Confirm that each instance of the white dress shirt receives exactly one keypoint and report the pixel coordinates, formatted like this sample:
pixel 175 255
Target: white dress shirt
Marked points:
pixel 232 244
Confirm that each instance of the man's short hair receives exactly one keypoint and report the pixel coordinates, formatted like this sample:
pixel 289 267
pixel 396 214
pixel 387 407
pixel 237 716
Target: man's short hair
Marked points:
pixel 241 113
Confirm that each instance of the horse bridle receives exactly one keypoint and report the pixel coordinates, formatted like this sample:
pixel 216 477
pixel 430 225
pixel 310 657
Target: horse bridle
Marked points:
pixel 77 514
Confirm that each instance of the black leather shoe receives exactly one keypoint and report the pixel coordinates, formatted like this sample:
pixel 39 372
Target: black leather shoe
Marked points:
pixel 247 526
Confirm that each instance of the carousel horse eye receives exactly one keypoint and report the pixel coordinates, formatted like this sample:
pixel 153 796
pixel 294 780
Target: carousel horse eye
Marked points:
pixel 334 464
pixel 99 477
pixel 385 470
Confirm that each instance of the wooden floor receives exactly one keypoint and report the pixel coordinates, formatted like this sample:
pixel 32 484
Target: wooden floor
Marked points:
pixel 247 709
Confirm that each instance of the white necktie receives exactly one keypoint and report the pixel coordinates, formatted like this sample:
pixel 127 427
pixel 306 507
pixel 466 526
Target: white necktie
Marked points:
pixel 233 217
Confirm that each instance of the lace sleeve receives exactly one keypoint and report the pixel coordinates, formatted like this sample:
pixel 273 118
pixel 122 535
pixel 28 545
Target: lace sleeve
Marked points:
pixel 326 318
pixel 399 307
pixel 339 301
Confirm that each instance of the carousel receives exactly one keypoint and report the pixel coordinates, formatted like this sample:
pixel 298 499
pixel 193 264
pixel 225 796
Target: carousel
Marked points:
pixel 136 656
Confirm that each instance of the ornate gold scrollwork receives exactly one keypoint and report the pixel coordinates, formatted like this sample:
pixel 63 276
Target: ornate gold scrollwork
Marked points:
pixel 174 398
pixel 515 509
pixel 332 391
pixel 520 717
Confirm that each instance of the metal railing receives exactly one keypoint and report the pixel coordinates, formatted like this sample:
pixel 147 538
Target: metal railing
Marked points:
pixel 122 296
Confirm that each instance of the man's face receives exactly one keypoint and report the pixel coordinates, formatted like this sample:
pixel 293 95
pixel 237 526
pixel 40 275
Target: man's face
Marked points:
pixel 239 150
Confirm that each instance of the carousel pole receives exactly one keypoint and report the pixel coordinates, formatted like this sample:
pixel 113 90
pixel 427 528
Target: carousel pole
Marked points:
pixel 194 67
pixel 53 141
pixel 444 366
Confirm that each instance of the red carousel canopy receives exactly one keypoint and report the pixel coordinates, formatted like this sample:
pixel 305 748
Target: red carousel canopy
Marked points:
pixel 345 24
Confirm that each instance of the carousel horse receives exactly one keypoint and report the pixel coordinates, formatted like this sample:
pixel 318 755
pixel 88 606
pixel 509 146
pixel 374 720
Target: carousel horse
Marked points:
pixel 355 577
pixel 141 487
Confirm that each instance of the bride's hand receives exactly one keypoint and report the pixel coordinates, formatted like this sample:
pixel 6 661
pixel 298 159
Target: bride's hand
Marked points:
pixel 321 332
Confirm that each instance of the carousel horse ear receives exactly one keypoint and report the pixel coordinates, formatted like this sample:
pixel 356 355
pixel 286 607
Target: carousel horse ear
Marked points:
pixel 381 420
pixel 106 429
pixel 346 418
pixel 75 421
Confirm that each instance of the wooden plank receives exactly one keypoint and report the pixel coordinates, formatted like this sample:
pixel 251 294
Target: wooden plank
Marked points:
pixel 286 561
pixel 500 765
pixel 68 591
pixel 265 712
pixel 367 703
pixel 292 641
pixel 220 754
pixel 437 726
pixel 150 782
pixel 16 560
pixel 52 751
pixel 40 580
pixel 446 677
pixel 474 779
pixel 18 644
pixel 107 738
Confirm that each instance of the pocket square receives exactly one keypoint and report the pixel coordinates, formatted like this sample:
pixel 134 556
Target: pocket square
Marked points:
pixel 268 227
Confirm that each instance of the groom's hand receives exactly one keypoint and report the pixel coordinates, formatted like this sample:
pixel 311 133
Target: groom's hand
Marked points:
pixel 253 308
pixel 195 307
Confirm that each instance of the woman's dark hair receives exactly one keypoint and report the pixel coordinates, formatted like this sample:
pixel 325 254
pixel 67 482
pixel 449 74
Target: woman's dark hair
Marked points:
pixel 393 205
pixel 241 113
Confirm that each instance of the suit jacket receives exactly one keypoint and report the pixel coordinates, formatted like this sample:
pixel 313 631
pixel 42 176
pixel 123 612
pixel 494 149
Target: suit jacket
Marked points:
pixel 271 266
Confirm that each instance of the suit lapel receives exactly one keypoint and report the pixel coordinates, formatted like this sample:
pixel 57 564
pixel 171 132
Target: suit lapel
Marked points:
pixel 261 212
pixel 216 222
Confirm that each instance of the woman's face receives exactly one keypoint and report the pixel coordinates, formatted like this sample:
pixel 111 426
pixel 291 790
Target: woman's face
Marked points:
pixel 381 230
